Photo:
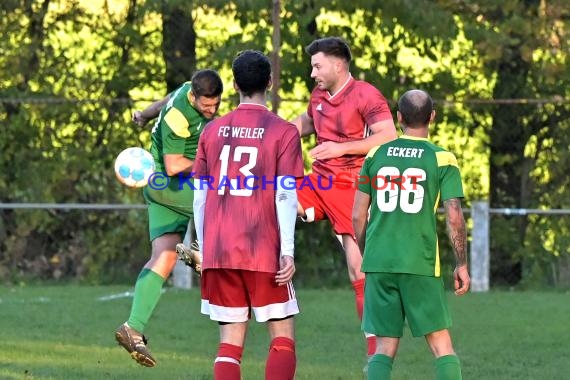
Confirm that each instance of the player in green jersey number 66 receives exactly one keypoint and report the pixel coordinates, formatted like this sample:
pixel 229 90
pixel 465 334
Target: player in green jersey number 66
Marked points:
pixel 401 256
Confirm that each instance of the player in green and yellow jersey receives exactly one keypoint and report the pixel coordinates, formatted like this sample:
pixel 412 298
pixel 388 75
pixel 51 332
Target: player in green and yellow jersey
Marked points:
pixel 182 117
pixel 174 143
pixel 402 183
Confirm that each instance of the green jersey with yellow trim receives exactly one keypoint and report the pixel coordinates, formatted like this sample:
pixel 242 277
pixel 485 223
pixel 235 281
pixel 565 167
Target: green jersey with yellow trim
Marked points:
pixel 405 179
pixel 177 131
pixel 177 128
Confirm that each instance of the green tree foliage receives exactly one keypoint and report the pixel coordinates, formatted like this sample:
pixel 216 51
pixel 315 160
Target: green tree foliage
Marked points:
pixel 59 142
pixel 70 68
pixel 524 47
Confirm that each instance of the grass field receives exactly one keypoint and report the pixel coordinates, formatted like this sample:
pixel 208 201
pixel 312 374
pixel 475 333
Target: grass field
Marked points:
pixel 66 332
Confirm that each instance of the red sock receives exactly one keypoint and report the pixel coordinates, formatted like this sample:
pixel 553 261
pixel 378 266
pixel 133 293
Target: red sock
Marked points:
pixel 227 364
pixel 358 287
pixel 371 343
pixel 281 361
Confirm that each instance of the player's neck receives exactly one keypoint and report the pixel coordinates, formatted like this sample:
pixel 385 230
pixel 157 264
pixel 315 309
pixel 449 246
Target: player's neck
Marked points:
pixel 341 83
pixel 416 132
pixel 254 99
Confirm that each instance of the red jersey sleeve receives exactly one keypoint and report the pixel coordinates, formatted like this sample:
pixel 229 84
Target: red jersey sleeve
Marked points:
pixel 374 107
pixel 290 158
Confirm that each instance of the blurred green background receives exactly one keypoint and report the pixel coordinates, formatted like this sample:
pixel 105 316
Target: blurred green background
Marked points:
pixel 72 72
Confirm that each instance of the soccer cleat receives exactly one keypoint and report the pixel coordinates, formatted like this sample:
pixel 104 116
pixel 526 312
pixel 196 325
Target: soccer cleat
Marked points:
pixel 135 344
pixel 190 256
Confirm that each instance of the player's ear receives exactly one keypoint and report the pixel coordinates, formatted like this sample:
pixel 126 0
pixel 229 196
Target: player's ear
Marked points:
pixel 339 65
pixel 432 116
pixel 269 83
pixel 236 86
pixel 192 98
pixel 399 117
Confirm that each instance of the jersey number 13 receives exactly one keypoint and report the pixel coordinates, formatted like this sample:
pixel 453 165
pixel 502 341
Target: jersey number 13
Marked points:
pixel 238 188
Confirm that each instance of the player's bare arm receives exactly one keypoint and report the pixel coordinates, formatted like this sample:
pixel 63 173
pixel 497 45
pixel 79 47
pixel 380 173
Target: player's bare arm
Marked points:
pixel 458 239
pixel 382 132
pixel 360 217
pixel 304 124
pixel 141 118
pixel 177 163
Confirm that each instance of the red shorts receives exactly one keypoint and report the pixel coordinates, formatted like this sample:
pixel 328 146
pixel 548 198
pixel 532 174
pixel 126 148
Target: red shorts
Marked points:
pixel 321 199
pixel 229 295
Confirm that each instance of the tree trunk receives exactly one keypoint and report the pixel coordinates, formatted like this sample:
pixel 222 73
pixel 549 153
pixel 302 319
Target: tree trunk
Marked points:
pixel 276 63
pixel 508 170
pixel 179 43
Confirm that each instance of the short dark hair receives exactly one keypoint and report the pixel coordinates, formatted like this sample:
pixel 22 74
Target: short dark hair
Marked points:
pixel 207 83
pixel 416 107
pixel 334 46
pixel 252 72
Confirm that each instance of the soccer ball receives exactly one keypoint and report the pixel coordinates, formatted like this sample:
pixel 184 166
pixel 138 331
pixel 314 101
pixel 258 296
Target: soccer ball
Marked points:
pixel 134 166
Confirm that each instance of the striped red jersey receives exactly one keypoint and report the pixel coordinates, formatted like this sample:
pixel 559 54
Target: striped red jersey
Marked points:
pixel 343 117
pixel 240 155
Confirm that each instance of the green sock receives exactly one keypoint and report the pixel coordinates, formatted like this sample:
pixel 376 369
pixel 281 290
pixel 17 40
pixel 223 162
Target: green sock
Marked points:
pixel 447 368
pixel 380 367
pixel 147 293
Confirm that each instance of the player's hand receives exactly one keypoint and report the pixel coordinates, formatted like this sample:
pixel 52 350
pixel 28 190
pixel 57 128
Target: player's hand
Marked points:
pixel 461 280
pixel 285 274
pixel 139 119
pixel 327 150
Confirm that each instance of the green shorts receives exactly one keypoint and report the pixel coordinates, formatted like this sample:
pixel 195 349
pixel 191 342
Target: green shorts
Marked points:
pixel 164 217
pixel 389 298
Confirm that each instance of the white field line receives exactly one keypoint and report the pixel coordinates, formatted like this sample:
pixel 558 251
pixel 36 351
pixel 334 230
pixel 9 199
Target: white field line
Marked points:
pixel 127 294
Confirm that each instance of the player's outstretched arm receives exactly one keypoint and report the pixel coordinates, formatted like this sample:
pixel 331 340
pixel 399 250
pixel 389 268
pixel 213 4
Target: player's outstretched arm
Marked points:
pixel 141 118
pixel 382 132
pixel 458 239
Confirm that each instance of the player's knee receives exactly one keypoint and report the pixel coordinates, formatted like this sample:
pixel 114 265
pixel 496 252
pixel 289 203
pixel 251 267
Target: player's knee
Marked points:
pixel 353 265
pixel 306 215
pixel 387 346
pixel 440 343
pixel 300 211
